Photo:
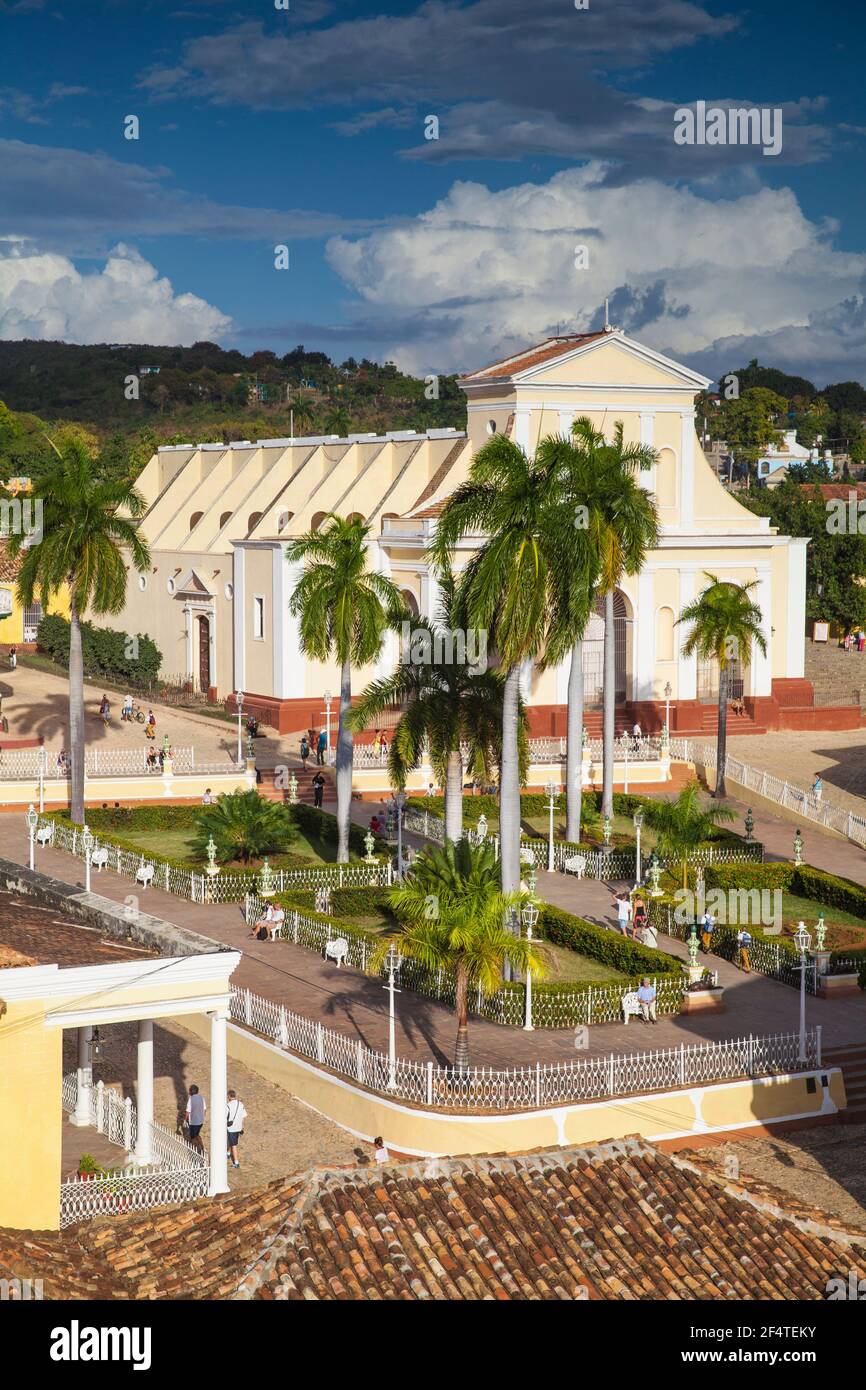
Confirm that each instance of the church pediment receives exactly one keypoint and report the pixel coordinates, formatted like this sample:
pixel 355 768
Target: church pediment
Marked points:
pixel 191 585
pixel 612 360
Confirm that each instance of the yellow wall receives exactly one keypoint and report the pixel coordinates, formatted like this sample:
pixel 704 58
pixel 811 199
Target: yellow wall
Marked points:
pixel 31 1065
pixel 12 626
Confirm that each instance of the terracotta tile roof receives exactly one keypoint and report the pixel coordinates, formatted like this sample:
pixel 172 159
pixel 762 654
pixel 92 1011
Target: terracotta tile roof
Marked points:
pixel 828 490
pixel 9 567
pixel 533 356
pixel 43 936
pixel 442 471
pixel 619 1220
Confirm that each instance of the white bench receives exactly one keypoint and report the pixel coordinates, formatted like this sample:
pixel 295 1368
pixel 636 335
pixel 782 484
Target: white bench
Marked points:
pixel 99 858
pixel 144 875
pixel 45 834
pixel 630 1004
pixel 337 950
pixel 575 864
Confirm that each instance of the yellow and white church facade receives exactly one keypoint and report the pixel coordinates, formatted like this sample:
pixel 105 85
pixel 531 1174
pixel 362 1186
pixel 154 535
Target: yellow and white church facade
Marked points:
pixel 216 598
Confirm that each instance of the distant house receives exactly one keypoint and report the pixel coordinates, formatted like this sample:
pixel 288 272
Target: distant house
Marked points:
pixel 774 464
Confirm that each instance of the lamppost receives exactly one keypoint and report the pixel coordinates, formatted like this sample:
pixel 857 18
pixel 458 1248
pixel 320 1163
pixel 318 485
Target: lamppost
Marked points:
pixel 668 693
pixel 552 791
pixel 328 698
pixel 802 941
pixel 32 821
pixel 637 820
pixel 391 964
pixel 239 701
pixel 798 847
pixel 530 917
pixel 749 823
pixel 87 839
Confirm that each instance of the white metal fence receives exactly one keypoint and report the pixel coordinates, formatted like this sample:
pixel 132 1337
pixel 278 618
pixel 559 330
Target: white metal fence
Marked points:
pixel 531 1087
pixel 784 793
pixel 18 764
pixel 180 1172
pixel 551 1008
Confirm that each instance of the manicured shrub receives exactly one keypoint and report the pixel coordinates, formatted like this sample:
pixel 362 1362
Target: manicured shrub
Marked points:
pixel 609 947
pixel 322 826
pixel 106 652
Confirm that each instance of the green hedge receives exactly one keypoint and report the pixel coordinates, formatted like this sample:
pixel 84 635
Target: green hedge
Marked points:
pixel 632 958
pixel 104 650
pixel 321 825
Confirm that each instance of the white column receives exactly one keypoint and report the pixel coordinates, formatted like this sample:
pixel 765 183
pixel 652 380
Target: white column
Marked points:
pixel 388 657
pixel 645 644
pixel 217 1104
pixel 81 1114
pixel 687 470
pixel 762 666
pixel 431 592
pixel 522 416
pixel 687 666
pixel 144 1091
pixel 189 620
pixel 239 616
pixel 647 476
pixel 796 611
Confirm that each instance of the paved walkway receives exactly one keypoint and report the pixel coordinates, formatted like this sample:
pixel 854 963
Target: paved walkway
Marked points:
pixel 356 1004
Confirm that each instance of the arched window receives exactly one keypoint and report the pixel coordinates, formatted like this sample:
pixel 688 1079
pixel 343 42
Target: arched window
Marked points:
pixel 225 519
pixel 317 520
pixel 355 516
pixel 195 519
pixel 253 520
pixel 410 601
pixel 285 518
pixel 665 634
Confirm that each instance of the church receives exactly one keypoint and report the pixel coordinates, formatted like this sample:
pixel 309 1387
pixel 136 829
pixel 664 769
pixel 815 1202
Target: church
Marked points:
pixel 216 599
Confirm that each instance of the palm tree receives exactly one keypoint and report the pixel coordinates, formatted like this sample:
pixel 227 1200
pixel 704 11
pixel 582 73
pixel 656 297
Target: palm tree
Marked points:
pixel 622 523
pixel 244 827
pixel 682 825
pixel 505 592
pixel 344 610
pixel 302 414
pixel 88 537
pixel 726 625
pixel 575 576
pixel 447 703
pixel 337 421
pixel 453 913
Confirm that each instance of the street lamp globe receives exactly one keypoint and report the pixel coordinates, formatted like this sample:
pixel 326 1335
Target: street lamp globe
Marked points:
pixel 32 818
pixel 637 819
pixel 802 939
pixel 529 915
pixel 87 839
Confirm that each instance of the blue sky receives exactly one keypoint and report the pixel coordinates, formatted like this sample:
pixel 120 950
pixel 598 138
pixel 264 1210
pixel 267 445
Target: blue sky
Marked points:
pixel 306 127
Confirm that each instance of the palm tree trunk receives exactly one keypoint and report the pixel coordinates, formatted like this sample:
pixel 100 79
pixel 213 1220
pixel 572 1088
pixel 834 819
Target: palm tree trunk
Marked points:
pixel 722 733
pixel 509 786
pixel 344 765
pixel 454 796
pixel 574 745
pixel 461 1003
pixel 609 710
pixel 76 714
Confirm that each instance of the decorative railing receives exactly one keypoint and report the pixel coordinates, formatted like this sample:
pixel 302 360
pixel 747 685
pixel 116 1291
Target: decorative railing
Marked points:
pixel 784 793
pixel 180 1172
pixel 550 1008
pixel 531 1087
pixel 18 764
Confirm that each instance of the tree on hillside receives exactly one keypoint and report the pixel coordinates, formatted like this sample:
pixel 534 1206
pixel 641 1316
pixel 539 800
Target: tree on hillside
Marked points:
pixel 751 422
pixel 88 538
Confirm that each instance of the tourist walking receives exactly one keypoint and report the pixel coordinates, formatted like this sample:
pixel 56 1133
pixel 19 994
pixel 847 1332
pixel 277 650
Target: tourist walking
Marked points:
pixel 196 1109
pixel 13 657
pixel 320 748
pixel 235 1116
pixel 126 711
pixel 318 790
pixel 744 945
pixel 150 726
pixel 623 913
pixel 646 997
pixel 639 917
pixel 105 710
pixel 818 786
pixel 305 751
pixel 708 922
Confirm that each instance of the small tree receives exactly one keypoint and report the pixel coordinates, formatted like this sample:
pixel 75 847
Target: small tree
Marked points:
pixel 453 916
pixel 244 828
pixel 681 826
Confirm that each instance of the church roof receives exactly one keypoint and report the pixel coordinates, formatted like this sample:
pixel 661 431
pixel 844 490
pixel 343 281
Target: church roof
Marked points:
pixel 533 356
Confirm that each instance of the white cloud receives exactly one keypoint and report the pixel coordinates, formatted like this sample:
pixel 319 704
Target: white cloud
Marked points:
pixel 486 272
pixel 43 295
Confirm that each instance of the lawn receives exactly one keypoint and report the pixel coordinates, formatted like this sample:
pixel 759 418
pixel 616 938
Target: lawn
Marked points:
pixel 843 928
pixel 176 844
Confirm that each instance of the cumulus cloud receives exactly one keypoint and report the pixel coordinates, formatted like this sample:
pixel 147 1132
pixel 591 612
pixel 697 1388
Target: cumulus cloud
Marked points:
pixel 43 295
pixel 482 273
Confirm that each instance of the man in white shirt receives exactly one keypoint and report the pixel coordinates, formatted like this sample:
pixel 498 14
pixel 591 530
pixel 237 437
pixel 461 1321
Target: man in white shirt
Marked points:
pixel 235 1116
pixel 196 1109
pixel 623 914
pixel 278 921
pixel 207 799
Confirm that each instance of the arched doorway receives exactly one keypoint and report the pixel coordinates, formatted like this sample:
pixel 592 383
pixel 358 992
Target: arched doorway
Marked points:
pixel 203 652
pixel 410 601
pixel 593 651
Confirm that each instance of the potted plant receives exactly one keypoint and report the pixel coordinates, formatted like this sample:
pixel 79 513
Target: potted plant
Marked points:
pixel 704 995
pixel 88 1167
